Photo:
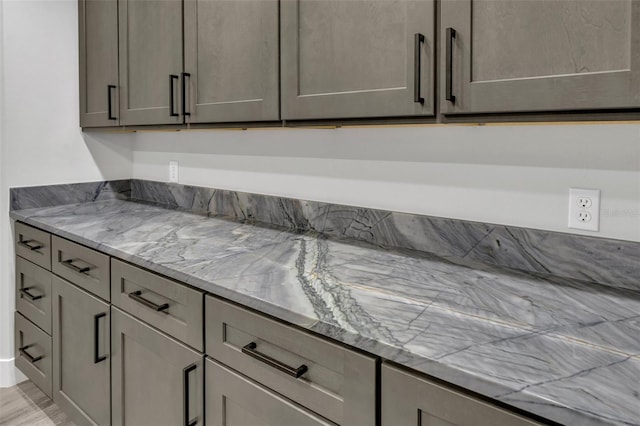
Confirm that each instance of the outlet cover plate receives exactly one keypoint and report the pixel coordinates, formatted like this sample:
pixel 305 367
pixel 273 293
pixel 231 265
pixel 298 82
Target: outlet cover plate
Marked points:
pixel 173 171
pixel 577 209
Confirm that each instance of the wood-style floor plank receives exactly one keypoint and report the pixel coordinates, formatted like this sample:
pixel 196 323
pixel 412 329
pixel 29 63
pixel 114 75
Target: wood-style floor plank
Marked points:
pixel 25 404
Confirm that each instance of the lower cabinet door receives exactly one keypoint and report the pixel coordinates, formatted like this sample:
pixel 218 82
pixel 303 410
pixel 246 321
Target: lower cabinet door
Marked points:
pixel 233 400
pixel 155 379
pixel 81 360
pixel 410 400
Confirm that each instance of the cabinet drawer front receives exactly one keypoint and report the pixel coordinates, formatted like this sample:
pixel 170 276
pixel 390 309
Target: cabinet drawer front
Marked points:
pixel 155 379
pixel 33 293
pixel 82 266
pixel 233 400
pixel 171 307
pixel 33 353
pixel 338 384
pixel 33 245
pixel 407 397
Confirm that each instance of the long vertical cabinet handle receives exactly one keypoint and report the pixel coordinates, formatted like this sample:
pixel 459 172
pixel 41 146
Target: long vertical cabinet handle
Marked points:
pixel 186 396
pixel 96 340
pixel 172 111
pixel 451 34
pixel 110 87
pixel 419 40
pixel 185 75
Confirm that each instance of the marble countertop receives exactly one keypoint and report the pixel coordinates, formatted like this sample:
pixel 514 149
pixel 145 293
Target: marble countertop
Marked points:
pixel 566 350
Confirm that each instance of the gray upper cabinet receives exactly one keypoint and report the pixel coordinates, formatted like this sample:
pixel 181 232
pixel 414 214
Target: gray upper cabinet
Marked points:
pixel 81 354
pixel 150 61
pixel 359 58
pixel 98 43
pixel 552 55
pixel 231 60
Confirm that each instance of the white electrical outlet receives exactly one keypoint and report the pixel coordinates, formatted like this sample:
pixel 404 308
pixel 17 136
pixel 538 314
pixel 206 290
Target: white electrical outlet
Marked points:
pixel 173 171
pixel 584 209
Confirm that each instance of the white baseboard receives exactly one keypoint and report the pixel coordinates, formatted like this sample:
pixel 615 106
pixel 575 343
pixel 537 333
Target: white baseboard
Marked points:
pixel 9 374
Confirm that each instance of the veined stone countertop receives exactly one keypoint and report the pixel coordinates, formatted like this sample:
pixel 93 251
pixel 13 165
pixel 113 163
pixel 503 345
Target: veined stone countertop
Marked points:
pixel 566 350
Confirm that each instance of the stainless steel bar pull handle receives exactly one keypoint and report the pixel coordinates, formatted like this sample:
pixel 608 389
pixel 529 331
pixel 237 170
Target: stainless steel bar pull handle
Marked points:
pixel 250 349
pixel 30 244
pixel 450 35
pixel 419 40
pixel 136 295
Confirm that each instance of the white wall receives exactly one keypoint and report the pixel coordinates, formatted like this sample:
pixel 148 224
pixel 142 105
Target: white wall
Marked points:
pixel 40 138
pixel 515 175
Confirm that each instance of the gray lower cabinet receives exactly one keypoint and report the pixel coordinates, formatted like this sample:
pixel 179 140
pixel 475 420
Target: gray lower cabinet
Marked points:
pixel 233 400
pixel 98 45
pixel 351 59
pixel 409 400
pixel 33 353
pixel 150 39
pixel 231 60
pixel 33 293
pixel 512 56
pixel 81 354
pixel 155 379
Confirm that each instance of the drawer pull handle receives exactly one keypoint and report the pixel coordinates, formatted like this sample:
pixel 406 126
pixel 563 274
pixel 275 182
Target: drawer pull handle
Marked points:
pixel 25 292
pixel 185 395
pixel 96 341
pixel 250 349
pixel 149 304
pixel 32 359
pixel 69 264
pixel 30 245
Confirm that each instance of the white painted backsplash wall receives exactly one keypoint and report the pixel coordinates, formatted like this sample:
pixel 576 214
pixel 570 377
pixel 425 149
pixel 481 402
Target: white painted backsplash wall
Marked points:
pixel 517 175
pixel 512 175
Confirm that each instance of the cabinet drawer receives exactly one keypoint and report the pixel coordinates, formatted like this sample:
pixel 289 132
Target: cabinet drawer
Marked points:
pixel 82 266
pixel 33 353
pixel 171 307
pixel 33 245
pixel 407 397
pixel 338 383
pixel 233 400
pixel 33 293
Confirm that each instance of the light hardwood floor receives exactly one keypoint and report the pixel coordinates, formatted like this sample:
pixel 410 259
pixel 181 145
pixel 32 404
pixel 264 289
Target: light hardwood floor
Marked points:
pixel 25 404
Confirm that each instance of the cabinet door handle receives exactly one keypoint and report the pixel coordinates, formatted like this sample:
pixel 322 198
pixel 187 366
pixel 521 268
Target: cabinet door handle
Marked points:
pixel 69 264
pixel 186 396
pixel 419 40
pixel 451 34
pixel 136 295
pixel 172 112
pixel 30 245
pixel 185 75
pixel 32 359
pixel 96 341
pixel 110 87
pixel 25 292
pixel 250 349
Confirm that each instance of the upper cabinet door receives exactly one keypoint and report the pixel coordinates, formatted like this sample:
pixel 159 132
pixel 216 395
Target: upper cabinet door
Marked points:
pixel 539 55
pixel 231 60
pixel 357 58
pixel 150 61
pixel 98 42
